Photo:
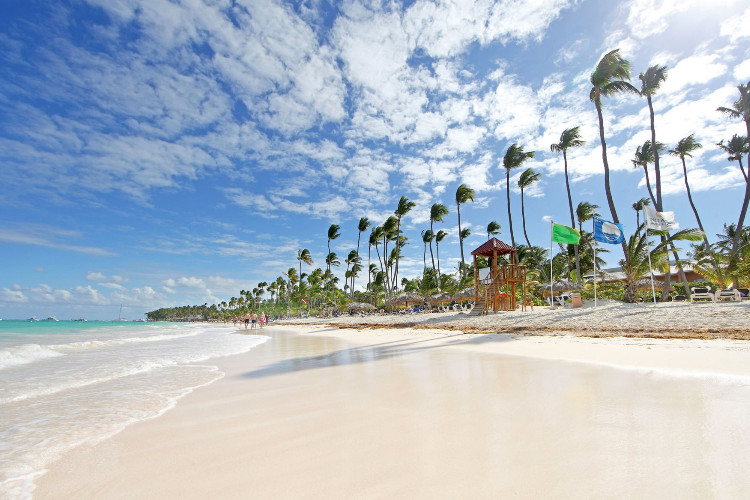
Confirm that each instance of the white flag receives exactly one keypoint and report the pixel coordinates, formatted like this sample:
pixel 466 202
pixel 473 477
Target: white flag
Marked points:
pixel 661 221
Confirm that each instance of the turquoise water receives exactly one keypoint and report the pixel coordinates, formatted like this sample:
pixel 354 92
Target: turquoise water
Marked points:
pixel 70 383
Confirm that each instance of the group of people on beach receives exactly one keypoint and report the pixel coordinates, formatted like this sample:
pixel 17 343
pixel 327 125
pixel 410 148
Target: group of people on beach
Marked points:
pixel 253 320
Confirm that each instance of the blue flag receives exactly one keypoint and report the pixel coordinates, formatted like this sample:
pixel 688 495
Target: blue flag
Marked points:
pixel 607 232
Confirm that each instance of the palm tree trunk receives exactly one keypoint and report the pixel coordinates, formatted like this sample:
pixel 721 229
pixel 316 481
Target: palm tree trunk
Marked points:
pixel 510 218
pixel 743 212
pixel 369 275
pixel 437 250
pixel 692 205
pixel 657 171
pixel 461 241
pixel 432 256
pixel 359 236
pixel 398 251
pixel 572 217
pixel 607 189
pixel 738 229
pixel 648 186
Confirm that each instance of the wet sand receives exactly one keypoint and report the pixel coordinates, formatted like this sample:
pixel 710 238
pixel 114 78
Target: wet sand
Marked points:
pixel 317 412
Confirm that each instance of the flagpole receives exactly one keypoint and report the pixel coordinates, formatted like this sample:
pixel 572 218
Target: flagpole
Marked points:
pixel 551 284
pixel 648 248
pixel 593 231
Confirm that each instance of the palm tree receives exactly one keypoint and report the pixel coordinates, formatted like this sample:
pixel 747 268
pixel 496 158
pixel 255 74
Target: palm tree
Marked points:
pixel 427 237
pixel 464 194
pixel 333 233
pixel 403 208
pixel 493 228
pixel 438 211
pixel 303 255
pixel 684 148
pixel 608 79
pixel 514 158
pixel 638 207
pixel 528 177
pixel 741 109
pixel 570 138
pixel 585 211
pixel 373 241
pixel 364 225
pixel 644 155
pixel 650 82
pixel 439 236
pixel 736 147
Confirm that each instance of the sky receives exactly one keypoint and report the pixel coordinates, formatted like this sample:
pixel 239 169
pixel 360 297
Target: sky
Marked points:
pixel 157 153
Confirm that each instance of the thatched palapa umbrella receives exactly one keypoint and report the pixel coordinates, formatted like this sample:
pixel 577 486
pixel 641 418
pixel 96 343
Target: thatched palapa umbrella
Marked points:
pixel 407 298
pixel 360 306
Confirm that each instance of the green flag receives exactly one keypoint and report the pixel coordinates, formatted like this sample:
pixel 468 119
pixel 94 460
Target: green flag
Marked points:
pixel 565 234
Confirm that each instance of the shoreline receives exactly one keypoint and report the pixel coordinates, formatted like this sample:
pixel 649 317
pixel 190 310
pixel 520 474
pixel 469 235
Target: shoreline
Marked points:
pixel 317 412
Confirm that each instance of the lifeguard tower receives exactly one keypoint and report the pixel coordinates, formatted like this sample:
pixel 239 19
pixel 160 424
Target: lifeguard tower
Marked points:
pixel 497 292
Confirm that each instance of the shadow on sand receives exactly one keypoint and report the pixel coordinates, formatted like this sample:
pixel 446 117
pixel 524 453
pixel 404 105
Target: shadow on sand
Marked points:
pixel 366 354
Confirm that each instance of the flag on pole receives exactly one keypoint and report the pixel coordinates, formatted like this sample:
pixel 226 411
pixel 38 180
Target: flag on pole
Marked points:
pixel 661 221
pixel 608 232
pixel 304 301
pixel 565 234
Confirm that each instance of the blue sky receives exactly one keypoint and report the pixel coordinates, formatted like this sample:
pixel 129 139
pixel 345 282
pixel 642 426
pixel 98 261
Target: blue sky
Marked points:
pixel 158 153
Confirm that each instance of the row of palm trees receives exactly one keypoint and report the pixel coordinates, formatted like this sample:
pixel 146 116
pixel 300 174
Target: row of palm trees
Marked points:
pixel 610 77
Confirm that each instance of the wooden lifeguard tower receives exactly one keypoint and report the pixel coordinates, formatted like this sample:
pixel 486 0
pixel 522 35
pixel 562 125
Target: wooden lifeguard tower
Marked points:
pixel 497 292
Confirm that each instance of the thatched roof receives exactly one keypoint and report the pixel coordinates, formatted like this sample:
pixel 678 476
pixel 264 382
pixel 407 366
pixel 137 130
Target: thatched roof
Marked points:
pixel 465 293
pixel 492 246
pixel 406 297
pixel 359 306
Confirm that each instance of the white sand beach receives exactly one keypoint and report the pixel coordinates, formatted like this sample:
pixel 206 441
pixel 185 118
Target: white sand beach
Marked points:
pixel 325 412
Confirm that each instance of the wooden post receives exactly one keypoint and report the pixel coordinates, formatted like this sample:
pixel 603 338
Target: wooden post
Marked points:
pixel 476 283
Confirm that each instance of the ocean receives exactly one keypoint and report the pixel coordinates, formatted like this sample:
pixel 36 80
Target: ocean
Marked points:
pixel 68 383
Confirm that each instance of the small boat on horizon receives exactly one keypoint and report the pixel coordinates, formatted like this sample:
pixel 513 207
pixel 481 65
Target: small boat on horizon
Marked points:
pixel 80 319
pixel 51 318
pixel 32 319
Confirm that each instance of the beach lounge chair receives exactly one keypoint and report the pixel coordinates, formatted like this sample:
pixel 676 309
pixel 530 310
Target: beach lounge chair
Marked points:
pixel 744 293
pixel 680 298
pixel 730 295
pixel 701 293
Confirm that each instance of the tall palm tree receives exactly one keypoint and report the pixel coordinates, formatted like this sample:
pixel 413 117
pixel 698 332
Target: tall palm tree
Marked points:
pixel 741 109
pixel 644 155
pixel 570 138
pixel 650 82
pixel 439 236
pixel 735 148
pixel 464 194
pixel 333 233
pixel 438 211
pixel 609 78
pixel 427 237
pixel 514 158
pixel 373 241
pixel 684 148
pixel 493 228
pixel 364 225
pixel 638 207
pixel 528 177
pixel 303 255
pixel 403 208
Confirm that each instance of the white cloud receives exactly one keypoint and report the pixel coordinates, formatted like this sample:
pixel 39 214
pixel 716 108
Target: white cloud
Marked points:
pixel 735 27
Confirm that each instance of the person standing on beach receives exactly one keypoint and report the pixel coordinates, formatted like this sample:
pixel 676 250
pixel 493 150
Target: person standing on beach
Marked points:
pixel 255 321
pixel 261 319
pixel 247 320
pixel 235 320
